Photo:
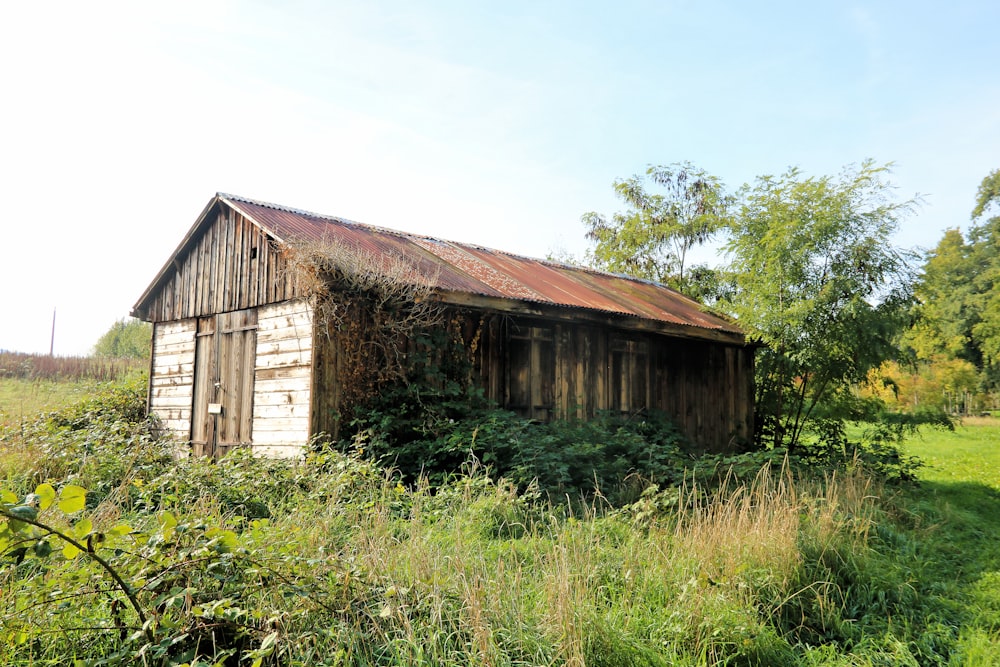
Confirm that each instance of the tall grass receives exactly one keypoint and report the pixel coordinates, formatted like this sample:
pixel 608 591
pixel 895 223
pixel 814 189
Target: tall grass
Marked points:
pixel 41 367
pixel 30 384
pixel 333 561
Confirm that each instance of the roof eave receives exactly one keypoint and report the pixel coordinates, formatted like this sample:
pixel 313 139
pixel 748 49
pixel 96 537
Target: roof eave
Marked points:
pixel 576 314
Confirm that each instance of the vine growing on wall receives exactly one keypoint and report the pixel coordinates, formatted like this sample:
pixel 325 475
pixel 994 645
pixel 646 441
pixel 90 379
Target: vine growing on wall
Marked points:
pixel 378 307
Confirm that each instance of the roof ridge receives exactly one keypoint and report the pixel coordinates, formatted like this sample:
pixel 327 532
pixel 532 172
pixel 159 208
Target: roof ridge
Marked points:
pixel 291 209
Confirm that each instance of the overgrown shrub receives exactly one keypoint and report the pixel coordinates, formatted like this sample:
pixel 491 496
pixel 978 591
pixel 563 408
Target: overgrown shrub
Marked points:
pixel 743 559
pixel 434 432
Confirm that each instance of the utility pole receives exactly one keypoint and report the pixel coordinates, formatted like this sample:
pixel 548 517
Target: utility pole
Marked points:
pixel 52 342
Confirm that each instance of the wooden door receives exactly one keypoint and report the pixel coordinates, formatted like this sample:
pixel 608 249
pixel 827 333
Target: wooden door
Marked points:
pixel 225 354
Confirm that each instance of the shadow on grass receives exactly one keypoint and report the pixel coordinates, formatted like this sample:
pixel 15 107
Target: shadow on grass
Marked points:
pixel 957 564
pixel 961 521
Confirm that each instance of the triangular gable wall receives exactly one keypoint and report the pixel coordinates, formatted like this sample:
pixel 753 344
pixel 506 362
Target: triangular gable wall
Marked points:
pixel 226 262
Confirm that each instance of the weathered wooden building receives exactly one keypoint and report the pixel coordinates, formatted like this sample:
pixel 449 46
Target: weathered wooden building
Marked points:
pixel 242 358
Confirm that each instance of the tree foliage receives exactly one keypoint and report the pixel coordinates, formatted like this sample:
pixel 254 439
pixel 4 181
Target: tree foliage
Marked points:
pixel 672 209
pixel 128 338
pixel 945 315
pixel 958 294
pixel 988 195
pixel 815 277
pixel 813 274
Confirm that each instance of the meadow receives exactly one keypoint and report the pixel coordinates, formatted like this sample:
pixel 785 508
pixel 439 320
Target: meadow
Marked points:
pixel 117 552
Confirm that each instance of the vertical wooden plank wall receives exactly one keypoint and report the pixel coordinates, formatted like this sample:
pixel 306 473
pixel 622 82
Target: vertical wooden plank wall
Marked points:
pixel 705 387
pixel 171 386
pixel 232 265
pixel 283 378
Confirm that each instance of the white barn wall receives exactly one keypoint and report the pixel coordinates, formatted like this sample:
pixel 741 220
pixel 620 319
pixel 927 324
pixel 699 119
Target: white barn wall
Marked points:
pixel 171 385
pixel 283 378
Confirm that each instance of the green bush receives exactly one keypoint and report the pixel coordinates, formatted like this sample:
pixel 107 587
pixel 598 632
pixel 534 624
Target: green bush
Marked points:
pixel 616 456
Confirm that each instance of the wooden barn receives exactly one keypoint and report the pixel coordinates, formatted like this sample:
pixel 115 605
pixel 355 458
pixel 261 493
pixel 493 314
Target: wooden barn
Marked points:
pixel 249 351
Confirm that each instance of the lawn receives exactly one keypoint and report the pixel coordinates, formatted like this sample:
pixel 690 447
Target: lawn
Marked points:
pixel 969 454
pixel 22 399
pixel 956 512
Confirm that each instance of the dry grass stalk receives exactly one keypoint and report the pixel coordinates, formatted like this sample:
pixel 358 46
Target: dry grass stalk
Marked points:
pixel 38 367
pixel 742 526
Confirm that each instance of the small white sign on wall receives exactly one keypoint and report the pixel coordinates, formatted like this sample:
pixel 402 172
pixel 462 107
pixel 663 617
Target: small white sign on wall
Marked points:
pixel 215 408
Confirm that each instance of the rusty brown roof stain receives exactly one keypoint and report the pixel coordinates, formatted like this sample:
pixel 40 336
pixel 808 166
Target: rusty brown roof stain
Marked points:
pixel 458 267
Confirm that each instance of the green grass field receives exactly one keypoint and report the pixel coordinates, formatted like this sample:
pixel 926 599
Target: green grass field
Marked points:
pixel 956 515
pixel 22 399
pixel 969 454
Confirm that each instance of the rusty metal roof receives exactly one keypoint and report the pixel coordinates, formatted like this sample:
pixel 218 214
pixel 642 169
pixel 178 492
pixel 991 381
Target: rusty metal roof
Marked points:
pixel 462 268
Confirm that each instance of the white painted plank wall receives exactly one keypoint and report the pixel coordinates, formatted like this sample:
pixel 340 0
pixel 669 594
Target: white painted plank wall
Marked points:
pixel 283 378
pixel 172 386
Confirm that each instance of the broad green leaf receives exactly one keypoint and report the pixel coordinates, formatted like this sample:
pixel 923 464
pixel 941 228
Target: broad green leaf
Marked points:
pixel 70 552
pixel 225 540
pixel 72 498
pixel 46 496
pixel 42 548
pixel 167 524
pixel 120 530
pixel 24 512
pixel 8 497
pixel 82 528
pixel 269 641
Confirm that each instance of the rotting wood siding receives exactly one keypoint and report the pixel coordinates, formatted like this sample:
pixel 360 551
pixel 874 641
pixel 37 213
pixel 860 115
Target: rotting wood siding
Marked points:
pixel 544 369
pixel 231 264
pixel 283 379
pixel 704 387
pixel 171 384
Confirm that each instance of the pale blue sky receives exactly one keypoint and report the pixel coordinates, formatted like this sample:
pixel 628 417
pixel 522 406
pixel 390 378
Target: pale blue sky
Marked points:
pixel 492 123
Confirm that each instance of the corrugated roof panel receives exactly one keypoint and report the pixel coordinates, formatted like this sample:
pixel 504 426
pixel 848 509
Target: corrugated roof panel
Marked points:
pixel 583 288
pixel 457 267
pixel 299 226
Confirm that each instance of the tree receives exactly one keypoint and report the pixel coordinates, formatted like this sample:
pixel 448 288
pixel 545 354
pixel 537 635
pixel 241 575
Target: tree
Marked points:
pixel 815 277
pixel 652 239
pixel 988 195
pixel 126 339
pixel 944 312
pixel 984 238
pixel 958 294
pixel 957 313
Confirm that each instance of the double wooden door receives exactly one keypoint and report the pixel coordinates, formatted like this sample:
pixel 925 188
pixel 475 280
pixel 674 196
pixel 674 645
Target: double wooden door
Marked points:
pixel 225 355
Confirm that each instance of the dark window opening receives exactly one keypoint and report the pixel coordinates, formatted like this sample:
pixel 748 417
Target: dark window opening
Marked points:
pixel 629 376
pixel 531 372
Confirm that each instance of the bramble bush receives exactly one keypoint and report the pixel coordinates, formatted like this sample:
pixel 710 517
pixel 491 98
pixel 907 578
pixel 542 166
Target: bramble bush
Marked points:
pixel 611 454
